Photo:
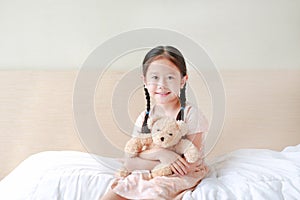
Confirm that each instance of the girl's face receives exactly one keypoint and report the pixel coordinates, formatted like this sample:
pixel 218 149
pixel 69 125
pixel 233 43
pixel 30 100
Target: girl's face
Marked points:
pixel 163 81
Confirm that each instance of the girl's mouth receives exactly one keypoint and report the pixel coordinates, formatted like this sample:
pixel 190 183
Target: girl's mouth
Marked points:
pixel 163 94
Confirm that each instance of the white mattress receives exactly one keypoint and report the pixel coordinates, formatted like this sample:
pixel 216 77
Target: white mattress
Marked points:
pixel 243 174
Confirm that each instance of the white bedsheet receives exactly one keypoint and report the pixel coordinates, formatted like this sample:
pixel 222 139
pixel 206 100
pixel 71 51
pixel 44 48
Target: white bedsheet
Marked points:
pixel 59 175
pixel 252 174
pixel 243 174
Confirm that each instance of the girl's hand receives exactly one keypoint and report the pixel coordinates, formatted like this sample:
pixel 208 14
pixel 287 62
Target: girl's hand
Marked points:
pixel 182 167
pixel 178 164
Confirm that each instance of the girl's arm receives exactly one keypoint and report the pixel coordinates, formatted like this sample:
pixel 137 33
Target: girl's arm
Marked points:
pixel 137 163
pixel 148 159
pixel 196 139
pixel 160 154
pixel 178 166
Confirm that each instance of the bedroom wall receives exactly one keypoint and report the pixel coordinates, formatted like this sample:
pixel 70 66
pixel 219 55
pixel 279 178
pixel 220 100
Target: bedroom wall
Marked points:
pixel 236 34
pixel 254 44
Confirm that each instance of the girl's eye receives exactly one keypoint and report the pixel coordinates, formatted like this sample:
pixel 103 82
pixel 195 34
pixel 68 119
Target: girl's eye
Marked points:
pixel 170 77
pixel 158 130
pixel 170 134
pixel 154 77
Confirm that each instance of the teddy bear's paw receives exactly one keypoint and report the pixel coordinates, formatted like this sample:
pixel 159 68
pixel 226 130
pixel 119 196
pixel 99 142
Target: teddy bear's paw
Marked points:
pixel 192 155
pixel 133 146
pixel 161 170
pixel 147 141
pixel 123 172
pixel 131 154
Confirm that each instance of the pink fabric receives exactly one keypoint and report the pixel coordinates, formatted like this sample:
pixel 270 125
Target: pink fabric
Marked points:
pixel 138 185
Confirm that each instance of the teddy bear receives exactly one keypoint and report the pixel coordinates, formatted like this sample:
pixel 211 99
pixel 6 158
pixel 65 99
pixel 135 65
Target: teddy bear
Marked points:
pixel 167 133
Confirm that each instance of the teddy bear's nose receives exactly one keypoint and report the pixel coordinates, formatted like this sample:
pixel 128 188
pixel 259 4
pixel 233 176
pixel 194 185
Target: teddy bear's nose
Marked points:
pixel 162 139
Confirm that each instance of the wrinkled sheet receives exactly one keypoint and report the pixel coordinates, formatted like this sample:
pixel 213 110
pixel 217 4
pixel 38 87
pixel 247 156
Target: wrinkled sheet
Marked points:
pixel 252 174
pixel 242 174
pixel 60 175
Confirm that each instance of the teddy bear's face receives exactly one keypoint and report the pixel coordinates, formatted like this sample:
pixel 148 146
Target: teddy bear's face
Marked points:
pixel 166 132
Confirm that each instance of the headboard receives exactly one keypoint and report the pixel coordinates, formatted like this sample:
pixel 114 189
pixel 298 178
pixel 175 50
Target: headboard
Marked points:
pixel 262 111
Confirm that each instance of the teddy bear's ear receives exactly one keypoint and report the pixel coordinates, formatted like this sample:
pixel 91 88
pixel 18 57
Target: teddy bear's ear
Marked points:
pixel 183 127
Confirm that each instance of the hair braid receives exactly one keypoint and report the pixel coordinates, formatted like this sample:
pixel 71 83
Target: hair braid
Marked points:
pixel 182 99
pixel 145 128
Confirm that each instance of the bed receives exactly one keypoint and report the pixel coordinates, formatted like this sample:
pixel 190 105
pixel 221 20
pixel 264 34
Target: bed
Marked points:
pixel 241 174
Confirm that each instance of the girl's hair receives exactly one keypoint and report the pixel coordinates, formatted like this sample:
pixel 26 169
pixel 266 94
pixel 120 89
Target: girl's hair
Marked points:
pixel 173 55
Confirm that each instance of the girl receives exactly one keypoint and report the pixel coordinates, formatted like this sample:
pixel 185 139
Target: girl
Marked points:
pixel 165 77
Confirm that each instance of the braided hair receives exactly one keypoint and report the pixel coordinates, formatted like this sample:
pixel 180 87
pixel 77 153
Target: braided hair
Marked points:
pixel 175 56
pixel 145 128
pixel 182 99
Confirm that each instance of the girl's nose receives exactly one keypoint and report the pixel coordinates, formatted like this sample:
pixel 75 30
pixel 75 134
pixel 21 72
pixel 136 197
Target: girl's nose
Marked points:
pixel 162 83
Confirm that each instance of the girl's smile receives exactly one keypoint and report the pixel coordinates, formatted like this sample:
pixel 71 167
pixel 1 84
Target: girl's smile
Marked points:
pixel 162 94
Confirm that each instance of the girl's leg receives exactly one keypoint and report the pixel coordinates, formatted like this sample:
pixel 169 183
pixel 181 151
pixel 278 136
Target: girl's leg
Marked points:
pixel 110 195
pixel 131 164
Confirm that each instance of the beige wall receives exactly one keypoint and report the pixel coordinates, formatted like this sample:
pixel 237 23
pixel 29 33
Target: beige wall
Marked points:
pixel 262 111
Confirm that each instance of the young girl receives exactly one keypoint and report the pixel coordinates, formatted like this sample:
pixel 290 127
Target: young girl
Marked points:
pixel 165 77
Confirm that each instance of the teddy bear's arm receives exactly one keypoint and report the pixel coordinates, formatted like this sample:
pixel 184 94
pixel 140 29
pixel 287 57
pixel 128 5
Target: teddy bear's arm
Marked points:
pixel 188 149
pixel 137 144
pixel 133 147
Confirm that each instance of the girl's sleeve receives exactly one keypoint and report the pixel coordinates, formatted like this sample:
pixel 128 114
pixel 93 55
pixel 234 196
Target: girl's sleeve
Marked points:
pixel 196 121
pixel 138 124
